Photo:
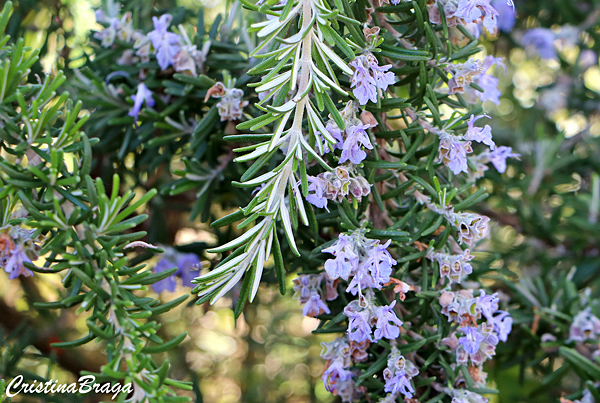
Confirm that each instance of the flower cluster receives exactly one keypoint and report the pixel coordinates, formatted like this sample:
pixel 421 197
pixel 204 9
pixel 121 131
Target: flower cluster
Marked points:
pixel 231 104
pixel 335 185
pixel 471 227
pixel 468 13
pixel 309 291
pixel 364 262
pixel 116 28
pixel 188 266
pixel 363 313
pixel 476 72
pixel 453 267
pixel 455 150
pixel 18 247
pixel 478 341
pixel 369 77
pixel 169 48
pixel 337 375
pixel 398 374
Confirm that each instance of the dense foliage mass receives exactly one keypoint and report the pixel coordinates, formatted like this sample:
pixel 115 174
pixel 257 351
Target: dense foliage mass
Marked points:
pixel 422 177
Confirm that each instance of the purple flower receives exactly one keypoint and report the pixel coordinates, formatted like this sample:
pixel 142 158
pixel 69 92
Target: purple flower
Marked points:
pixel 474 11
pixel 188 268
pixel 318 186
pixel 383 77
pixel 478 344
pixel 143 95
pixel 478 134
pixel 315 305
pixel 346 259
pixel 369 77
pixel 365 87
pixel 540 41
pixel 502 324
pixel 453 152
pixel 303 286
pixel 166 284
pixel 506 15
pixel 487 82
pixel 359 326
pixel 356 136
pixel 471 341
pixel 334 372
pixel 488 304
pixel 399 383
pixel 471 227
pixel 379 263
pixel 388 324
pixel 455 267
pixel 499 155
pixel 166 44
pixel 14 263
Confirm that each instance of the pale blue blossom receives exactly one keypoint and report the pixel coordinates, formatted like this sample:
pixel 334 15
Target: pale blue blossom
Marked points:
pixel 165 43
pixel 143 95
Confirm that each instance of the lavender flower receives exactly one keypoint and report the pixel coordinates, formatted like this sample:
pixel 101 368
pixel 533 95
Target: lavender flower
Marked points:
pixel 359 321
pixel 478 344
pixel 165 43
pixel 478 134
pixel 336 185
pixel 540 41
pixel 453 152
pixel 369 77
pixel 346 260
pixel 18 247
pixel 463 74
pixel 14 263
pixel 460 306
pixel 188 268
pixel 471 341
pixel 506 15
pixel 502 324
pixel 143 95
pixel 338 356
pixel 356 136
pixel 453 267
pixel 318 186
pixel 471 227
pixel 120 28
pixel 388 324
pixel 487 82
pixel 315 306
pixel 379 264
pixel 142 46
pixel 399 383
pixel 398 374
pixel 166 284
pixel 499 155
pixel 475 11
pixel 585 326
pixel 365 261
